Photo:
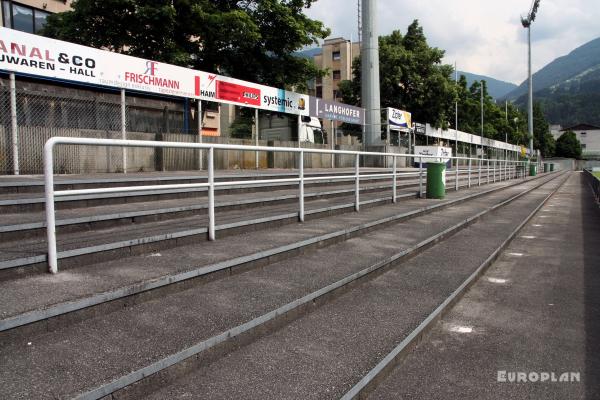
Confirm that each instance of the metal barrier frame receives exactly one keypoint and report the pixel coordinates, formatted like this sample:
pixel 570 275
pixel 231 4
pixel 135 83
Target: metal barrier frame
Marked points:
pixel 594 183
pixel 51 194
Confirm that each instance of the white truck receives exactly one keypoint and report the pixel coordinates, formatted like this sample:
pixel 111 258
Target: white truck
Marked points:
pixel 281 129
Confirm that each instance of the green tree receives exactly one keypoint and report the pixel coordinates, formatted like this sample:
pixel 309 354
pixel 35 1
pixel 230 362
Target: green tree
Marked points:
pixel 500 122
pixel 568 146
pixel 412 77
pixel 251 40
pixel 542 138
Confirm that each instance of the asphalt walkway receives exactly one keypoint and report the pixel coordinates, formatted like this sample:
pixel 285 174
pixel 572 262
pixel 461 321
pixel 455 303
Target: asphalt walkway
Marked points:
pixel 532 317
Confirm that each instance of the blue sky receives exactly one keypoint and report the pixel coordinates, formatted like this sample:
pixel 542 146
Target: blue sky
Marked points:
pixel 483 36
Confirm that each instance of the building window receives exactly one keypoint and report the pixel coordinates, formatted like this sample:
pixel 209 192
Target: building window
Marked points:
pixel 319 93
pixel 583 133
pixel 583 145
pixel 319 80
pixel 337 75
pixel 336 55
pixel 23 18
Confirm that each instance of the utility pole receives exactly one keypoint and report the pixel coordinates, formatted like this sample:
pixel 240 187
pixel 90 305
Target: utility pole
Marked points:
pixel 506 132
pixel 526 22
pixel 370 73
pixel 456 115
pixel 481 92
pixel 359 22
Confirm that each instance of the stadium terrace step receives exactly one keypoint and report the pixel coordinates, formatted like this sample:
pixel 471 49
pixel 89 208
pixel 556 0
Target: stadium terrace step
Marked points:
pixel 31 202
pixel 161 269
pixel 535 310
pixel 131 338
pixel 35 183
pixel 22 225
pixel 111 238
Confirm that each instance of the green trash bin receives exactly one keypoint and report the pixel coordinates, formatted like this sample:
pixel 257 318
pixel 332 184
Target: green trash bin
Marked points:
pixel 436 180
pixel 552 167
pixel 546 167
pixel 532 169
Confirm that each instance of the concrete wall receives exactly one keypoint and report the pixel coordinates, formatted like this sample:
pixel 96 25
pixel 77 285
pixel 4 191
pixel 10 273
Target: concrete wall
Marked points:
pixel 564 163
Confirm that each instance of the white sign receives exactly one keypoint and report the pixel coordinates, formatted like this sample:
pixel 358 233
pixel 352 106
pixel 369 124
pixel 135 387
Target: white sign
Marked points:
pixel 35 55
pixel 444 153
pixel 399 120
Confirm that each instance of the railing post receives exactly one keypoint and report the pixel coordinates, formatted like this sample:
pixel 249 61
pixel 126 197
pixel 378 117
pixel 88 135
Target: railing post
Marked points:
pixel 394 179
pixel 50 217
pixel 200 154
pixel 479 173
pixel 469 175
pixel 14 124
pixel 211 194
pixel 357 183
pixel 494 166
pixel 332 138
pixel 420 177
pixel 257 130
pixel 456 179
pixel 124 129
pixel 301 186
pixel 488 171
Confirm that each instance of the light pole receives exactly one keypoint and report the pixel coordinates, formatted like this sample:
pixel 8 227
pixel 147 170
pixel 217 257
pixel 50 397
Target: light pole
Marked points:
pixel 456 115
pixel 526 22
pixel 481 92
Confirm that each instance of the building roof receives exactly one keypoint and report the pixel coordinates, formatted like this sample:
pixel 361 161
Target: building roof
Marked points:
pixel 581 127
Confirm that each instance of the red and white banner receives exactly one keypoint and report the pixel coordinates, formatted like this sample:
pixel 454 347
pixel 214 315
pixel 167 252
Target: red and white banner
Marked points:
pixel 36 55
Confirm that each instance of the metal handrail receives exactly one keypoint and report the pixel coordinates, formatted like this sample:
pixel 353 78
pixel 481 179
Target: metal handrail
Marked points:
pixel 51 194
pixel 594 183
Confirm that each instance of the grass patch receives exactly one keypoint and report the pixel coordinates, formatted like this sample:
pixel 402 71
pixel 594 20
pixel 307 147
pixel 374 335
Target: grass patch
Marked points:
pixel 596 174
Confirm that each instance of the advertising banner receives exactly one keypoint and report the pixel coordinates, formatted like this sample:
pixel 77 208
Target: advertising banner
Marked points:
pixel 336 111
pixel 35 55
pixel 223 89
pixel 442 154
pixel 399 120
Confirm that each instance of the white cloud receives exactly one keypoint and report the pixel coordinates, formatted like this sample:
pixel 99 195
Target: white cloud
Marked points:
pixel 484 37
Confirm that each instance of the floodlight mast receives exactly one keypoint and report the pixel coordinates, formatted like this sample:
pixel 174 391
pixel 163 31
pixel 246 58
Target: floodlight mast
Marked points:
pixel 526 22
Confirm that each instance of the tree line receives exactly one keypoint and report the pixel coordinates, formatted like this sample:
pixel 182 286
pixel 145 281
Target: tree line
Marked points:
pixel 257 41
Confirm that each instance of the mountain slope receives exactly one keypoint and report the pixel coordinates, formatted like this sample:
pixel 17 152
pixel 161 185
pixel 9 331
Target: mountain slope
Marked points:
pixel 496 88
pixel 577 63
pixel 568 88
pixel 571 102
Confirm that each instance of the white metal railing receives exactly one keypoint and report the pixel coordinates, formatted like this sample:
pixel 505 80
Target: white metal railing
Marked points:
pixel 510 171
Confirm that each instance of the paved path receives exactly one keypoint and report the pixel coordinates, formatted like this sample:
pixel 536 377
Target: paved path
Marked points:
pixel 537 309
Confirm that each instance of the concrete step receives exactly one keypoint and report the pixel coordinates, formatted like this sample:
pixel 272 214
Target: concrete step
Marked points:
pixel 535 310
pixel 325 352
pixel 43 296
pixel 74 359
pixel 27 202
pixel 29 254
pixel 31 224
pixel 32 201
pixel 35 183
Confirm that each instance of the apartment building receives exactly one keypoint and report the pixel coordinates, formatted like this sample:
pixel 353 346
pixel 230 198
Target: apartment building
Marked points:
pixel 589 137
pixel 30 15
pixel 335 56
